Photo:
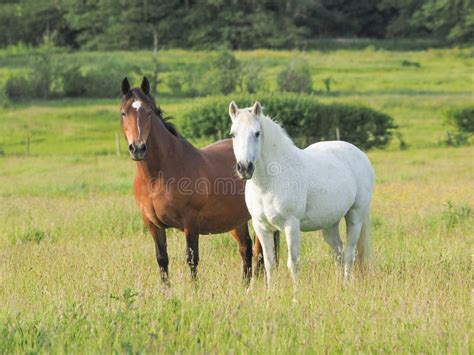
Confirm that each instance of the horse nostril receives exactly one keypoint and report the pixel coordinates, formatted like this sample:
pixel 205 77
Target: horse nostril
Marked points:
pixel 142 148
pixel 239 167
pixel 131 148
pixel 250 167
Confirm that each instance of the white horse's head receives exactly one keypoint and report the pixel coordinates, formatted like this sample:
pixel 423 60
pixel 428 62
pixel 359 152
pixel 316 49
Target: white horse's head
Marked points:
pixel 246 136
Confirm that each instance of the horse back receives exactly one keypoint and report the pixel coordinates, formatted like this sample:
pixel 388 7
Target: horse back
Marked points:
pixel 219 160
pixel 348 156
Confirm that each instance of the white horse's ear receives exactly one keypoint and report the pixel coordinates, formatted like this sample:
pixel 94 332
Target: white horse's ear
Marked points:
pixel 257 109
pixel 233 109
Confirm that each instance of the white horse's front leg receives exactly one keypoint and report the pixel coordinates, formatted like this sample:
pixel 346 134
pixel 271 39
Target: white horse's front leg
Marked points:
pixel 293 240
pixel 268 248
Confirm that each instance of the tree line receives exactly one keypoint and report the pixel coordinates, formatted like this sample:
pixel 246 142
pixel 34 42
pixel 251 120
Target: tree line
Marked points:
pixel 245 24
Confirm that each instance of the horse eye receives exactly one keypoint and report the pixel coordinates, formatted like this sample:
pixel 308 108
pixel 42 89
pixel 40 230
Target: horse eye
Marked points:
pixel 123 114
pixel 232 135
pixel 257 134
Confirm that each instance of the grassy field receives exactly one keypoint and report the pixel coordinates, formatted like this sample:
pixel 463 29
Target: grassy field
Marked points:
pixel 77 268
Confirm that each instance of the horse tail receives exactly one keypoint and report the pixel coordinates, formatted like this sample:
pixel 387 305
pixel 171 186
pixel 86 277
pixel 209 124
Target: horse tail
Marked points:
pixel 364 244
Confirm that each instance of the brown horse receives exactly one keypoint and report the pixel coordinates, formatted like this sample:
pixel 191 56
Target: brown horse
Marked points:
pixel 177 185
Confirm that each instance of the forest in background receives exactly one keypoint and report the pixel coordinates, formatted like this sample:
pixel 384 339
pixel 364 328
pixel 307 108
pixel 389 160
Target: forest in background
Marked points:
pixel 248 24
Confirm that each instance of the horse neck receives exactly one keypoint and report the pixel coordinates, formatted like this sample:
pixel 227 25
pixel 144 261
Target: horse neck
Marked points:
pixel 276 149
pixel 165 150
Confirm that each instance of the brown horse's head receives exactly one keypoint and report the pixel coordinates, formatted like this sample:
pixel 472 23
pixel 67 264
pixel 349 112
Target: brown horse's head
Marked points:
pixel 136 110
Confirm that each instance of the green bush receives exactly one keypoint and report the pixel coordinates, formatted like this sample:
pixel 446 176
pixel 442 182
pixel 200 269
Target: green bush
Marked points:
pixel 251 81
pixel 19 87
pixel 28 86
pixel 74 83
pixel 462 122
pixel 102 82
pixel 175 82
pixel 223 74
pixel 295 78
pixel 39 82
pixel 303 117
pixel 463 119
pixel 98 82
pixel 44 74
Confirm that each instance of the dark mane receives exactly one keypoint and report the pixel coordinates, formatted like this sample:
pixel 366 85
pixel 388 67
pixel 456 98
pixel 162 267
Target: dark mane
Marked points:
pixel 139 94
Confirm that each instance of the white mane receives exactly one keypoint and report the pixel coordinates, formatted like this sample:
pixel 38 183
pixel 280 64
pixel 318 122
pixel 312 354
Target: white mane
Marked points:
pixel 275 137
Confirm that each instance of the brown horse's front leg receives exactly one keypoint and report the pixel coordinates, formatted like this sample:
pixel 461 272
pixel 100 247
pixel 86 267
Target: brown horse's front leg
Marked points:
pixel 257 257
pixel 241 234
pixel 159 236
pixel 192 251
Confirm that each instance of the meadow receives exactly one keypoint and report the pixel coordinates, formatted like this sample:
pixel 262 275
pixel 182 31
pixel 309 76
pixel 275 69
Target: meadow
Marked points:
pixel 78 271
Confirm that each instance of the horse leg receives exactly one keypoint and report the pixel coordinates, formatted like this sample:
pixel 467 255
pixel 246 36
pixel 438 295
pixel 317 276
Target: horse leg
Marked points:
pixel 192 251
pixel 268 249
pixel 276 240
pixel 257 257
pixel 333 238
pixel 293 240
pixel 354 226
pixel 159 237
pixel 241 234
pixel 258 253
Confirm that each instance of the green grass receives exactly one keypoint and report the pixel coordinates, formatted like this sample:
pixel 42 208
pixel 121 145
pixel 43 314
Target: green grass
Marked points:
pixel 77 268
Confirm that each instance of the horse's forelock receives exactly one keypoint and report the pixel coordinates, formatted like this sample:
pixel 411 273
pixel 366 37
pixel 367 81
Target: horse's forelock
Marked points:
pixel 138 94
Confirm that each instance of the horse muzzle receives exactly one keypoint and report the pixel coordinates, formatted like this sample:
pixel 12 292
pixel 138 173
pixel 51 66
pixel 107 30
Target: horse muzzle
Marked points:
pixel 137 151
pixel 245 170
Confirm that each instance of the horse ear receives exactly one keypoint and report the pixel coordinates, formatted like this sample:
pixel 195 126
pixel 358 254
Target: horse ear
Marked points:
pixel 125 86
pixel 257 109
pixel 233 109
pixel 145 85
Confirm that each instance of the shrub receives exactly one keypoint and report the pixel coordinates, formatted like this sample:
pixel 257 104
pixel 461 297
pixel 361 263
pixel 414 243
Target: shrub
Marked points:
pixel 44 73
pixel 175 83
pixel 74 83
pixel 408 63
pixel 456 139
pixel 102 82
pixel 463 123
pixel 192 82
pixel 303 117
pixel 36 84
pixel 463 119
pixel 251 81
pixel 98 82
pixel 19 87
pixel 327 85
pixel 27 86
pixel 295 78
pixel 223 75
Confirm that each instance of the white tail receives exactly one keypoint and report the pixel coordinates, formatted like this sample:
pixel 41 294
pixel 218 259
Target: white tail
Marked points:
pixel 364 244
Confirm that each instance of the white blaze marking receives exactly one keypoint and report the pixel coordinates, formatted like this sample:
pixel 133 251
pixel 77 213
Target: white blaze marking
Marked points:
pixel 137 104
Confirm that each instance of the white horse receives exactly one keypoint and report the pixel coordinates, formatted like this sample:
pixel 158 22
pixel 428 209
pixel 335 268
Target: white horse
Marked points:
pixel 292 190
